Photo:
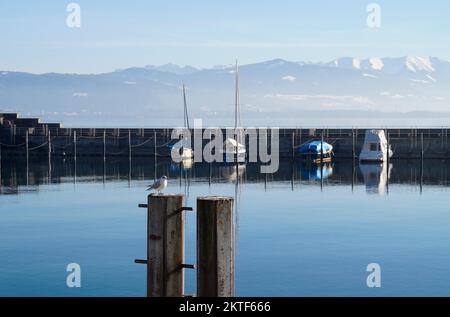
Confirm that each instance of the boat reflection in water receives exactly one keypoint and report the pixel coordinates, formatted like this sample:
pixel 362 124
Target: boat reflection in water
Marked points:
pixel 376 177
pixel 232 173
pixel 184 165
pixel 17 177
pixel 316 172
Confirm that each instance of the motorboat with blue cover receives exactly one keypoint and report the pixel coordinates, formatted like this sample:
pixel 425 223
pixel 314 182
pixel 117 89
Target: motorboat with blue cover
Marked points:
pixel 315 149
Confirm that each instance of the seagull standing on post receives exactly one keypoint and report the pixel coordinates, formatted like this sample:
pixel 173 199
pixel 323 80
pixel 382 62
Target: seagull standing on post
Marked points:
pixel 159 185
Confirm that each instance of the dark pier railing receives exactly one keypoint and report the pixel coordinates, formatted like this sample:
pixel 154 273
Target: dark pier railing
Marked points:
pixel 407 143
pixel 43 139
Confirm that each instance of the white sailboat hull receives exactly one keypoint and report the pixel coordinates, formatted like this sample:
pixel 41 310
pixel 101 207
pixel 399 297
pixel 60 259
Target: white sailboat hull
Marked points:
pixel 234 151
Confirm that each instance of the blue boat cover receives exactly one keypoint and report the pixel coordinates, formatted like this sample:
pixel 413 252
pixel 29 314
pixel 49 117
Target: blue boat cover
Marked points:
pixel 314 148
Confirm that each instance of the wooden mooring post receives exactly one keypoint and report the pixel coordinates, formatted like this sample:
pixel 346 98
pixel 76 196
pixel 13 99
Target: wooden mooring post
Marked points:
pixel 421 147
pixel 49 156
pixel 49 141
pixel 353 145
pixel 155 153
pixel 129 145
pixel 1 175
pixel 165 249
pixel 27 156
pixel 422 153
pixel 293 145
pixel 353 174
pixel 75 145
pixel 321 151
pixel 26 146
pixel 104 145
pixel 215 247
pixel 388 146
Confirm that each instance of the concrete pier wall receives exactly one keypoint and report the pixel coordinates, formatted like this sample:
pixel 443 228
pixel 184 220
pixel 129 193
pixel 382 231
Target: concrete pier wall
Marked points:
pixel 116 142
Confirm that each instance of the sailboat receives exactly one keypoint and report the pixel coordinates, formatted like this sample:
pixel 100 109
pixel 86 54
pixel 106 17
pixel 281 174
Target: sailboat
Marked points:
pixel 186 152
pixel 234 150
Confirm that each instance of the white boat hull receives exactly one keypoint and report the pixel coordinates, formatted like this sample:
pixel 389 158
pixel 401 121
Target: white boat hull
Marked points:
pixel 374 156
pixel 375 148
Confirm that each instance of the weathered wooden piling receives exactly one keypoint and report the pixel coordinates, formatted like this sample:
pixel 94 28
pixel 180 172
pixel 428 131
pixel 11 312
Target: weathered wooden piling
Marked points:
pixel 1 179
pixel 104 145
pixel 353 174
pixel 293 144
pixel 353 145
pixel 446 141
pixel 49 157
pixel 75 145
pixel 49 141
pixel 388 158
pixel 388 145
pixel 165 249
pixel 129 144
pixel 422 153
pixel 26 146
pixel 215 247
pixel 155 154
pixel 321 151
pixel 421 147
pixel 27 156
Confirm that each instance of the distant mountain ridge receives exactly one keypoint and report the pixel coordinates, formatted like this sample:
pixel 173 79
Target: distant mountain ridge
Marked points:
pixel 173 68
pixel 407 63
pixel 268 89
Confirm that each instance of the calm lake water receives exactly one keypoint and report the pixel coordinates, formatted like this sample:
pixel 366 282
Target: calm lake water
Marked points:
pixel 300 232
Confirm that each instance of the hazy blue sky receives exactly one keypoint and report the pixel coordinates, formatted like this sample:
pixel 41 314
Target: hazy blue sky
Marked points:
pixel 118 34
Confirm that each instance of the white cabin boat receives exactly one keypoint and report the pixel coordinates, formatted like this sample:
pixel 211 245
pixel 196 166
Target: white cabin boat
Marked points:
pixel 234 151
pixel 375 148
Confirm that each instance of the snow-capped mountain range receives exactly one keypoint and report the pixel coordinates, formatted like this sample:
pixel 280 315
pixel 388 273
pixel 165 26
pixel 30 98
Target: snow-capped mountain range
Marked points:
pixel 270 89
pixel 391 65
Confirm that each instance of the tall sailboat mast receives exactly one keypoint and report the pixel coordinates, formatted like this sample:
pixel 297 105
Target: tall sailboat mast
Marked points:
pixel 186 116
pixel 187 152
pixel 236 101
pixel 234 149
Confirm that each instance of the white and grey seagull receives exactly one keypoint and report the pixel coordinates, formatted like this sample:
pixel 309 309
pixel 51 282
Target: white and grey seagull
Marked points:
pixel 159 185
